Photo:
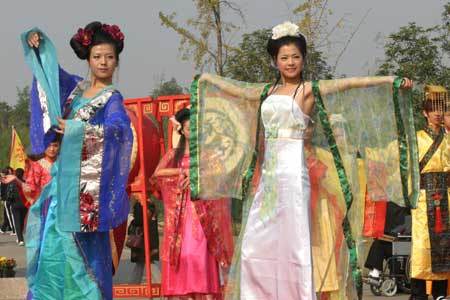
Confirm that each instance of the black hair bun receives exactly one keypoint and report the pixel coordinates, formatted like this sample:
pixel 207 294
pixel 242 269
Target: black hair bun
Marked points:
pixel 96 33
pixel 274 45
pixel 183 115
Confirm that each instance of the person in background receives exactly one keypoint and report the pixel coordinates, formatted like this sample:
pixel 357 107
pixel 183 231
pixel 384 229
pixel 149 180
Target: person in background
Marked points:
pixel 380 249
pixel 430 253
pixel 19 210
pixel 7 213
pixel 197 242
pixel 138 254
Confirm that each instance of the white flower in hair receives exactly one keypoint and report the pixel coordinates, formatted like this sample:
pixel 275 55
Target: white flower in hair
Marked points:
pixel 285 29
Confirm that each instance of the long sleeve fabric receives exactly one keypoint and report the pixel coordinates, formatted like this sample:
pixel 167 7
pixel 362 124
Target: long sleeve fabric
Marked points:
pixel 86 196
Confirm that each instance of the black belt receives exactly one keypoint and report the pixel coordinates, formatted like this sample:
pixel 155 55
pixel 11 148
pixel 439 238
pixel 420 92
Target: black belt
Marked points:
pixel 433 179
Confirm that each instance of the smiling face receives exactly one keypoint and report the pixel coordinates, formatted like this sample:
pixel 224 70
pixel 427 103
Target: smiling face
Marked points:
pixel 103 61
pixel 289 62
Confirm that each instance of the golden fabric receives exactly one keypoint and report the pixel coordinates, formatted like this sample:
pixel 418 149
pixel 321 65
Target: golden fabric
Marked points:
pixel 420 252
pixel 328 244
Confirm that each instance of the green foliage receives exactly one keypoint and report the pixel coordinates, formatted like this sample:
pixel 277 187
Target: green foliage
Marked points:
pixel 446 30
pixel 17 116
pixel 250 62
pixel 316 66
pixel 418 53
pixel 413 52
pixel 170 87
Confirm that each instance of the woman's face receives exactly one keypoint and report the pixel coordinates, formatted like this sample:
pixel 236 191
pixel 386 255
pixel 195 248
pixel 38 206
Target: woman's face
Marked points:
pixel 103 61
pixel 289 61
pixel 185 129
pixel 52 150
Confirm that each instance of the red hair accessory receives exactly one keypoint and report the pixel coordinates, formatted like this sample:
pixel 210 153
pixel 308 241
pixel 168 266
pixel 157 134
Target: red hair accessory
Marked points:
pixel 84 37
pixel 113 31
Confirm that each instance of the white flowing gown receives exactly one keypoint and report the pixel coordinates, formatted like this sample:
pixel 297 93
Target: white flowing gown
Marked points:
pixel 276 262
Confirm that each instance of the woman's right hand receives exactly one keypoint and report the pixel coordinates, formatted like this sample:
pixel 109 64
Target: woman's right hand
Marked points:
pixel 34 39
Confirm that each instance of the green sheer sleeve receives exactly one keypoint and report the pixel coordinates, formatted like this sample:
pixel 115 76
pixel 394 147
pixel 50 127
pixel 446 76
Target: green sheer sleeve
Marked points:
pixel 223 135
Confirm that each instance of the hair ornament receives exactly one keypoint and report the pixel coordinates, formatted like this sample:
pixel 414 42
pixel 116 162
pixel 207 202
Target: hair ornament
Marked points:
pixel 113 31
pixel 84 37
pixel 286 29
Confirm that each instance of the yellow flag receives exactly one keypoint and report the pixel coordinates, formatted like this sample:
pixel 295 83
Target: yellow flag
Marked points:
pixel 17 152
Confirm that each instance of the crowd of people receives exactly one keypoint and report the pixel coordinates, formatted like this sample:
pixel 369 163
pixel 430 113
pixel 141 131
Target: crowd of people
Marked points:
pixel 299 231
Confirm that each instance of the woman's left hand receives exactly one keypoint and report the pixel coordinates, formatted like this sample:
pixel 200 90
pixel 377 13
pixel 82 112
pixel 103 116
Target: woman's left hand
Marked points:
pixel 61 126
pixel 406 83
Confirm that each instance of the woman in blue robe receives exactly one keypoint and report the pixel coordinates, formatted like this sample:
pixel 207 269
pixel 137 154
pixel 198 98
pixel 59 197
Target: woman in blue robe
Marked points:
pixel 69 253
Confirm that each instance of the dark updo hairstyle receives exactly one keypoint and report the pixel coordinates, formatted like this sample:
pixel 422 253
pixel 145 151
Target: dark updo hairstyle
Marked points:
pixel 181 116
pixel 95 34
pixel 273 46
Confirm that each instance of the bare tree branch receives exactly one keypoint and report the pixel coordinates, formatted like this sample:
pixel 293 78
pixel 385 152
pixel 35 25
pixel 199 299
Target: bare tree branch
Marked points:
pixel 350 39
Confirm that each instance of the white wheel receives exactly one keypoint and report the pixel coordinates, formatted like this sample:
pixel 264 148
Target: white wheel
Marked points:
pixel 389 287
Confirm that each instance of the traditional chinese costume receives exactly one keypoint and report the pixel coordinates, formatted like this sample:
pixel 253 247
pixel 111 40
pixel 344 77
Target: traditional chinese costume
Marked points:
pixel 258 146
pixel 69 252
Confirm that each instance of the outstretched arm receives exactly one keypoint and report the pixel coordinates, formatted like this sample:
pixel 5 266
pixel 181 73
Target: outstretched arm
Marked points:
pixel 253 94
pixel 340 85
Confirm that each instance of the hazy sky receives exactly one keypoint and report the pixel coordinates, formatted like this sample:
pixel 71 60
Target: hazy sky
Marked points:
pixel 152 50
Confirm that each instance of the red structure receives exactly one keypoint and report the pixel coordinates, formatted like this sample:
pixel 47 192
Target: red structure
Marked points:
pixel 153 132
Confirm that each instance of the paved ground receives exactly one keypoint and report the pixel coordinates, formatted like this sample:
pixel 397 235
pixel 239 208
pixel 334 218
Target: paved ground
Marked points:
pixel 15 288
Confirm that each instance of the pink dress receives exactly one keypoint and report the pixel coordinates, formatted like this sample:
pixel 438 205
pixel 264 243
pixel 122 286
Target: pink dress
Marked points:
pixel 188 268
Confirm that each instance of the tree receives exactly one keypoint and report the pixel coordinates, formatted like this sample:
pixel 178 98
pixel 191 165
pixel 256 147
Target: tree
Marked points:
pixel 170 87
pixel 412 52
pixel 251 62
pixel 446 29
pixel 417 53
pixel 210 47
pixel 17 116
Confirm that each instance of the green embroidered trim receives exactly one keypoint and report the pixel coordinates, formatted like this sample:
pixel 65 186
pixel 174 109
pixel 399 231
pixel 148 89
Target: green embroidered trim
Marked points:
pixel 248 176
pixel 194 169
pixel 345 186
pixel 413 154
pixel 402 145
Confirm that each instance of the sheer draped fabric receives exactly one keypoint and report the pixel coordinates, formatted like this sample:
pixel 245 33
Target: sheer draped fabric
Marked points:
pixel 352 129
